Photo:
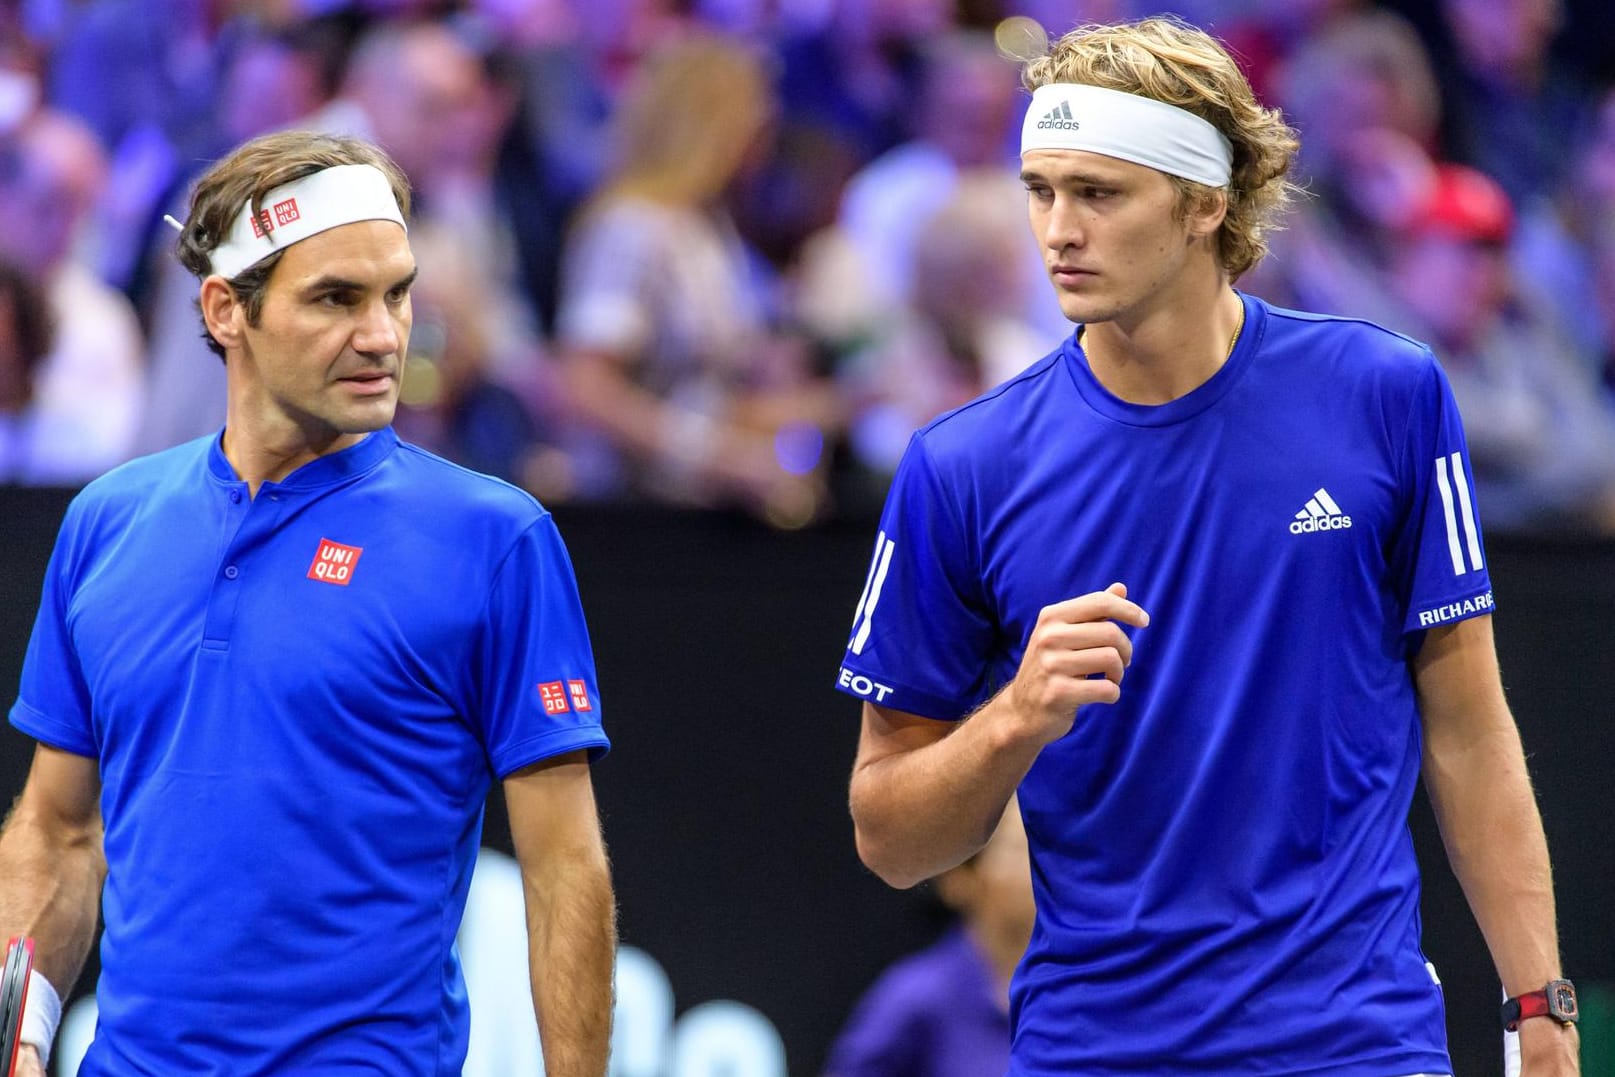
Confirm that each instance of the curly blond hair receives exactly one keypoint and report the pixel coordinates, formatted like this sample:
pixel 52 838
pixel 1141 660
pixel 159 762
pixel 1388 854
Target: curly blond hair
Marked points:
pixel 1171 61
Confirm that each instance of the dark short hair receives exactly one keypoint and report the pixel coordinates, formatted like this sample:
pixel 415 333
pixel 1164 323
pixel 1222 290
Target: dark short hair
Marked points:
pixel 248 174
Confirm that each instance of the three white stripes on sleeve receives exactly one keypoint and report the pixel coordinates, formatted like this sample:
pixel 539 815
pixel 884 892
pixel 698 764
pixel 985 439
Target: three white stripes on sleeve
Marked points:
pixel 864 616
pixel 1471 532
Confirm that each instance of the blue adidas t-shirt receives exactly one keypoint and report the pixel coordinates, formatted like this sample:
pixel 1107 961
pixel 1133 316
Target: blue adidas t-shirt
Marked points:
pixel 298 703
pixel 1224 877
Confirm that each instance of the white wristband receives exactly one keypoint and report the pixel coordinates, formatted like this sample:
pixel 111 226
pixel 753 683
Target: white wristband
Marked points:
pixel 40 1016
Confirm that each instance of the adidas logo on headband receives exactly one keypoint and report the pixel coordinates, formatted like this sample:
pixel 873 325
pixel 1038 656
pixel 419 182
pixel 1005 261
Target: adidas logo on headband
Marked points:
pixel 1059 119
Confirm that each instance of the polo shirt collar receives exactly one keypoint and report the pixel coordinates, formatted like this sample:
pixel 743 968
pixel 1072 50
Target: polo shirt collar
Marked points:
pixel 323 471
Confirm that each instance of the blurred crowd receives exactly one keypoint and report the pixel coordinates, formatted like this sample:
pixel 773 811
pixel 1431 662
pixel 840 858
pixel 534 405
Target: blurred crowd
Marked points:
pixel 731 253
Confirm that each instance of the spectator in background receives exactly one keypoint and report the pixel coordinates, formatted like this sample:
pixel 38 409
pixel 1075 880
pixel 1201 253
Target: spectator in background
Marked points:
pixel 52 173
pixel 944 1012
pixel 1541 438
pixel 680 390
pixel 145 76
pixel 428 97
pixel 961 332
pixel 25 330
pixel 1511 106
pixel 966 112
pixel 574 59
pixel 1363 94
pixel 1270 32
pixel 449 402
pixel 851 85
pixel 271 81
pixel 19 79
pixel 859 73
pixel 1563 234
pixel 1604 279
pixel 557 149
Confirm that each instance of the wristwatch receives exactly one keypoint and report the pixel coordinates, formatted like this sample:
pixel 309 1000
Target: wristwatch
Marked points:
pixel 1557 1000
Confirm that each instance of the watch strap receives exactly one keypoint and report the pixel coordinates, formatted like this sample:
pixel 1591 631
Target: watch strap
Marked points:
pixel 1556 1000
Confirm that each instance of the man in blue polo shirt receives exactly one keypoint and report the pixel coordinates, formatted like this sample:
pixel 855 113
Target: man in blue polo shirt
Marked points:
pixel 1263 519
pixel 274 673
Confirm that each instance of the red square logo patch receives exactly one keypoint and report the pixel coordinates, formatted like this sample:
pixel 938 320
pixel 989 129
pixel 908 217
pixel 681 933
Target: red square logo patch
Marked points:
pixel 553 693
pixel 334 563
pixel 286 212
pixel 262 225
pixel 580 695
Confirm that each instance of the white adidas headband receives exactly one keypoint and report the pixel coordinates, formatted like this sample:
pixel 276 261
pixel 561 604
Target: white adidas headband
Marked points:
pixel 1068 116
pixel 304 207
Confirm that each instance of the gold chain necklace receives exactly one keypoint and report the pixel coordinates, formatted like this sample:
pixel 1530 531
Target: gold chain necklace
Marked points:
pixel 1238 329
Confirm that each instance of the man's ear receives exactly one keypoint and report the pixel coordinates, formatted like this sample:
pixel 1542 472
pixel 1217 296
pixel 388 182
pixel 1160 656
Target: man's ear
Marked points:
pixel 1205 215
pixel 222 312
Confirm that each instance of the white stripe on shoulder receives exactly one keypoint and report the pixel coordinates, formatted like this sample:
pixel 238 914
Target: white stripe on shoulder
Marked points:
pixel 1471 532
pixel 874 597
pixel 1452 521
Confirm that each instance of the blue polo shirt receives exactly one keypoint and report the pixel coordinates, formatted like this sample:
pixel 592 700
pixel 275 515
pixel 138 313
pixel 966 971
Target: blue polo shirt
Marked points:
pixel 1224 877
pixel 298 703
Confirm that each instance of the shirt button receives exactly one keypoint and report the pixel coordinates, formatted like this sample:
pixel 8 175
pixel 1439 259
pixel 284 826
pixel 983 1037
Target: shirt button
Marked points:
pixel 231 572
pixel 235 496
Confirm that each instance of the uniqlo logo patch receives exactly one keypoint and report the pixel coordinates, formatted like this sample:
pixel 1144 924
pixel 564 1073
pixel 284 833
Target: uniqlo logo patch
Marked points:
pixel 286 212
pixel 334 563
pixel 580 695
pixel 553 693
pixel 262 225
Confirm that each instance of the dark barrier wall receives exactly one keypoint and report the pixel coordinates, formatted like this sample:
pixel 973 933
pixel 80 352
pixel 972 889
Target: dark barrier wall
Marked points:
pixel 725 797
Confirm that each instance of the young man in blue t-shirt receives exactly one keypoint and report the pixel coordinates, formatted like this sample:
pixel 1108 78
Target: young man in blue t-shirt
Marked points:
pixel 274 674
pixel 1205 585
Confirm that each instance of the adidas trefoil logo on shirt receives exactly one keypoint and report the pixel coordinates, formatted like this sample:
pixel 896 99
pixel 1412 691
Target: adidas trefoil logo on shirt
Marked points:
pixel 1059 119
pixel 1320 514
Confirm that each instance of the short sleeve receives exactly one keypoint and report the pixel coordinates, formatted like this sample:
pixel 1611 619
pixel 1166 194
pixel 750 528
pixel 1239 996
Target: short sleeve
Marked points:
pixel 535 693
pixel 922 633
pixel 53 704
pixel 1438 560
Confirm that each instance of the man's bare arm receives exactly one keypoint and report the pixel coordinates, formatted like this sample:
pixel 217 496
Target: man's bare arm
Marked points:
pixel 1474 770
pixel 51 869
pixel 571 911
pixel 926 795
pixel 52 865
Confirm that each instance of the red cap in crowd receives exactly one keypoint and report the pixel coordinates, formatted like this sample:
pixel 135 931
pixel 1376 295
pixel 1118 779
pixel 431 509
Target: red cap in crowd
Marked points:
pixel 1464 204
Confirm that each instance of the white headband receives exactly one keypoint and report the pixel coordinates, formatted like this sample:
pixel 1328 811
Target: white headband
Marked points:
pixel 1067 116
pixel 294 211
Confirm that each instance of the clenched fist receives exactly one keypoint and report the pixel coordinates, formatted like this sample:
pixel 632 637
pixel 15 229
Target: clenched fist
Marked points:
pixel 1077 654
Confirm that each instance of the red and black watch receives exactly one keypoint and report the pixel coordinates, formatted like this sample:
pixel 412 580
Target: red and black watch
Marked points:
pixel 1557 1000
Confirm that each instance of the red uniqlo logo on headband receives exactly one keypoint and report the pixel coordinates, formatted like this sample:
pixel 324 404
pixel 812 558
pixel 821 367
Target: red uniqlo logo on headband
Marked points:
pixel 334 563
pixel 553 693
pixel 286 212
pixel 262 225
pixel 580 695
